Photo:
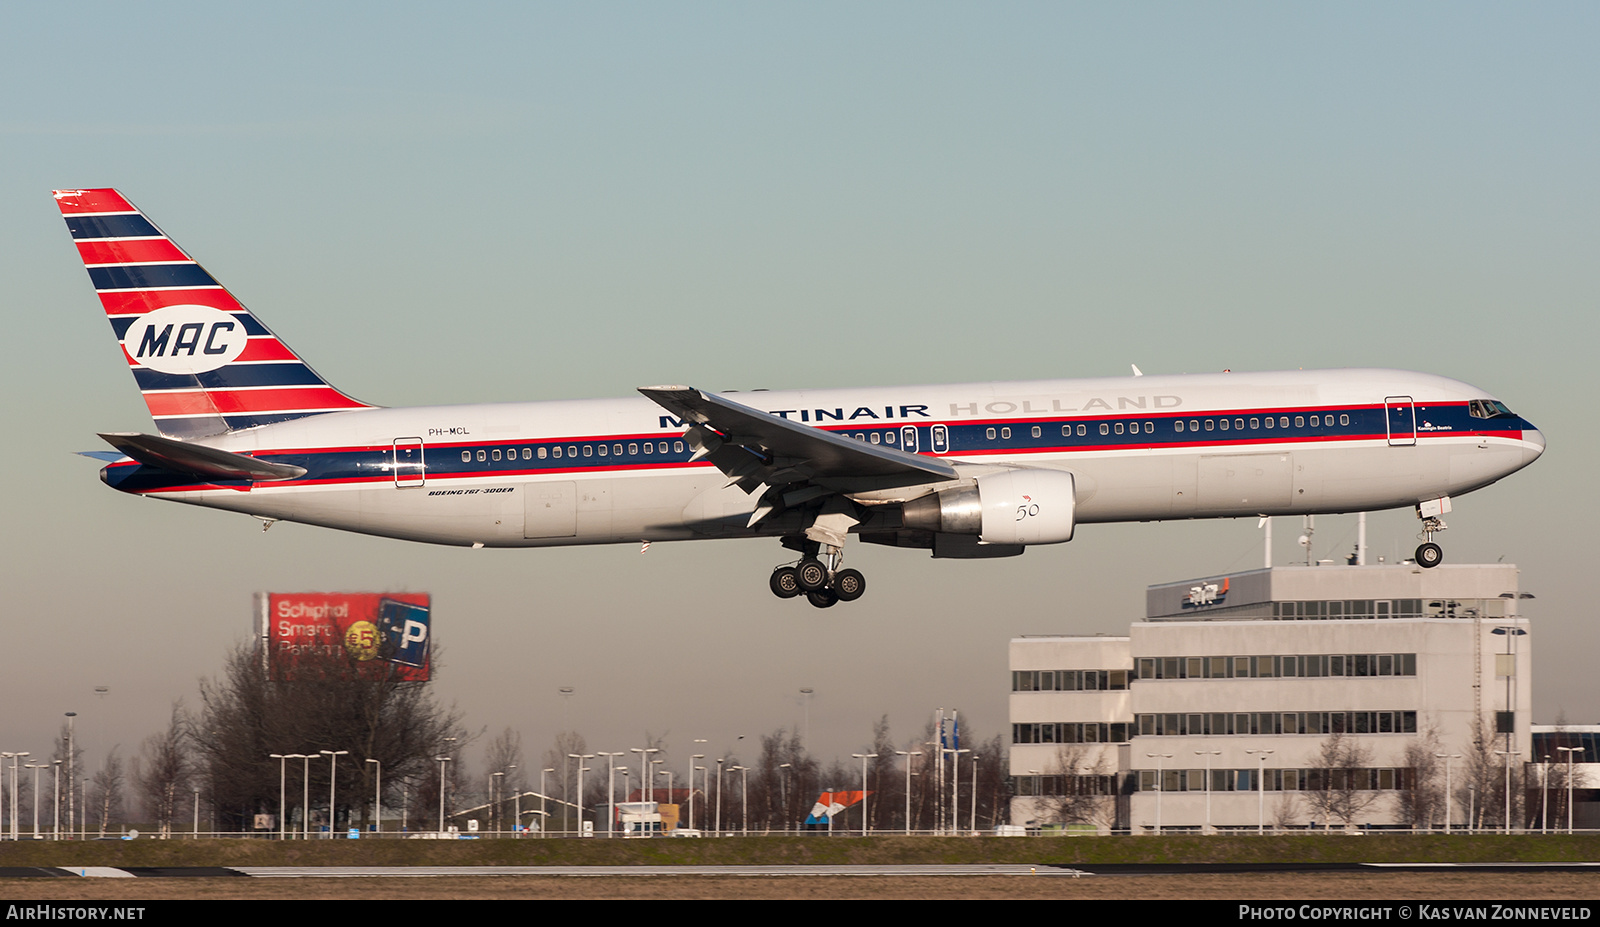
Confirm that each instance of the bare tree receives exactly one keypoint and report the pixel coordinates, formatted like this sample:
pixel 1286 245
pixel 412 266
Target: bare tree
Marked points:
pixel 505 758
pixel 566 816
pixel 106 791
pixel 1420 799
pixel 69 808
pixel 1077 791
pixel 1340 785
pixel 1484 787
pixel 1286 810
pixel 161 772
pixel 327 702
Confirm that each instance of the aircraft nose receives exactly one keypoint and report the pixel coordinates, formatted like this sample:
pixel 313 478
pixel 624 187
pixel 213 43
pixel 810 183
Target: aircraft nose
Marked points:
pixel 1532 444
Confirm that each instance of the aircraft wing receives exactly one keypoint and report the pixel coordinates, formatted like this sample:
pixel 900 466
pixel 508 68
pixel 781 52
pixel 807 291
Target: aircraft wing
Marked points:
pixel 754 447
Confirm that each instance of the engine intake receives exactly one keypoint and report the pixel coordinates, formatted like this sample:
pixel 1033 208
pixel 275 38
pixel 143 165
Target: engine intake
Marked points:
pixel 1017 506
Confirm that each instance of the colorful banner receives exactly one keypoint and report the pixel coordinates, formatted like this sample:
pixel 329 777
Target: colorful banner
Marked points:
pixel 831 803
pixel 394 627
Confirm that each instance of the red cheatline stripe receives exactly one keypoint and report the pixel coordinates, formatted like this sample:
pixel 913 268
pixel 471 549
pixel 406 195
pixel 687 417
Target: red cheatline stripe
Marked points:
pixel 195 403
pixel 265 349
pixel 254 401
pixel 101 200
pixel 130 251
pixel 123 302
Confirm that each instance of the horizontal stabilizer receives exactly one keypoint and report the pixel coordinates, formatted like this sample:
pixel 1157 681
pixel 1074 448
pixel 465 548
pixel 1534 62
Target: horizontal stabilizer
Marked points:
pixel 103 456
pixel 197 459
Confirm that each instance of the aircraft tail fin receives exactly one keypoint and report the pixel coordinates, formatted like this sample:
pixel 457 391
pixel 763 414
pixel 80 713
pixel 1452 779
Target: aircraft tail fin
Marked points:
pixel 205 365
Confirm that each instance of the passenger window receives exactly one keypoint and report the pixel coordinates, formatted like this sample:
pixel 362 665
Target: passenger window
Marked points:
pixel 1222 424
pixel 1105 429
pixel 541 453
pixel 1194 424
pixel 1344 419
pixel 1210 424
pixel 1238 424
pixel 616 449
pixel 633 449
pixel 888 437
pixel 482 457
pixel 1066 431
pixel 496 454
pixel 1119 428
pixel 572 450
pixel 586 450
pixel 1255 423
pixel 676 446
pixel 558 452
pixel 527 453
pixel 466 457
pixel 1082 431
pixel 1005 432
pixel 989 433
pixel 1149 428
pixel 1299 421
pixel 875 439
pixel 1315 421
pixel 1283 421
pixel 1036 431
pixel 1177 425
pixel 1269 423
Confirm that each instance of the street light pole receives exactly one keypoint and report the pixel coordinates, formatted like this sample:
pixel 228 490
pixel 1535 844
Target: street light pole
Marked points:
pixel 1448 795
pixel 333 777
pixel 908 754
pixel 377 798
pixel 283 760
pixel 1569 751
pixel 1208 754
pixel 863 757
pixel 1160 785
pixel 611 790
pixel 1261 789
pixel 442 759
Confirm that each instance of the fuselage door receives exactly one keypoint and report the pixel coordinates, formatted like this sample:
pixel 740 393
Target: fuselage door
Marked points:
pixel 408 466
pixel 1400 415
pixel 908 439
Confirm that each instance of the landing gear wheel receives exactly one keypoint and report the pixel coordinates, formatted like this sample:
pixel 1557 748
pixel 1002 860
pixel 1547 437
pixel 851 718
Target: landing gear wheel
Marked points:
pixel 848 585
pixel 822 598
pixel 811 575
pixel 1429 556
pixel 785 583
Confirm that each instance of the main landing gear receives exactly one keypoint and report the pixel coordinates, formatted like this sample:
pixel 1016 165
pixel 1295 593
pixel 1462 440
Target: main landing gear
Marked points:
pixel 1429 554
pixel 819 580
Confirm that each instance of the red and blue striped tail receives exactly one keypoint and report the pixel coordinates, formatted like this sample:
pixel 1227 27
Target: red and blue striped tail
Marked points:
pixel 206 366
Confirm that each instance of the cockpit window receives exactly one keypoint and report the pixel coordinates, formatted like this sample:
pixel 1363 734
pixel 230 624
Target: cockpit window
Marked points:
pixel 1489 408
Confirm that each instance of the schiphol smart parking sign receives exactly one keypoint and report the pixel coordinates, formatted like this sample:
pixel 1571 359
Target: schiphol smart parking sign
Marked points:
pixel 393 627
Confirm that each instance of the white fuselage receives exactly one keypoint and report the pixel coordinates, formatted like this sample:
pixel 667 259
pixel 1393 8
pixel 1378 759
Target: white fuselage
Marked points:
pixel 1151 448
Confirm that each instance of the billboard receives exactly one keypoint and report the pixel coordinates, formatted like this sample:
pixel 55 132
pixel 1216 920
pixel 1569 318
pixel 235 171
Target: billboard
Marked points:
pixel 394 628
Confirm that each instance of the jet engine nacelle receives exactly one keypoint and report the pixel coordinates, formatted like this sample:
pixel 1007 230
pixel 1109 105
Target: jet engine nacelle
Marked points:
pixel 1018 506
pixel 1026 506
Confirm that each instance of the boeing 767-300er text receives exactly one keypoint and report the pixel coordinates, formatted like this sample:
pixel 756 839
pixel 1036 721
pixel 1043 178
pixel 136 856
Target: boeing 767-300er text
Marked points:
pixel 965 471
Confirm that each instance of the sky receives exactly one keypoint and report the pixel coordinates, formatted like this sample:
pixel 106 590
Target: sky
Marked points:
pixel 492 202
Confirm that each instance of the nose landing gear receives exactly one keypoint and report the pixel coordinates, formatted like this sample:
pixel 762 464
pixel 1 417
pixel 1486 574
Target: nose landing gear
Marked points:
pixel 1429 554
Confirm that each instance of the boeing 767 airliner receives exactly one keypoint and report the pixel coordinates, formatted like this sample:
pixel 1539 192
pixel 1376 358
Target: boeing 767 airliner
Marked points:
pixel 968 470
